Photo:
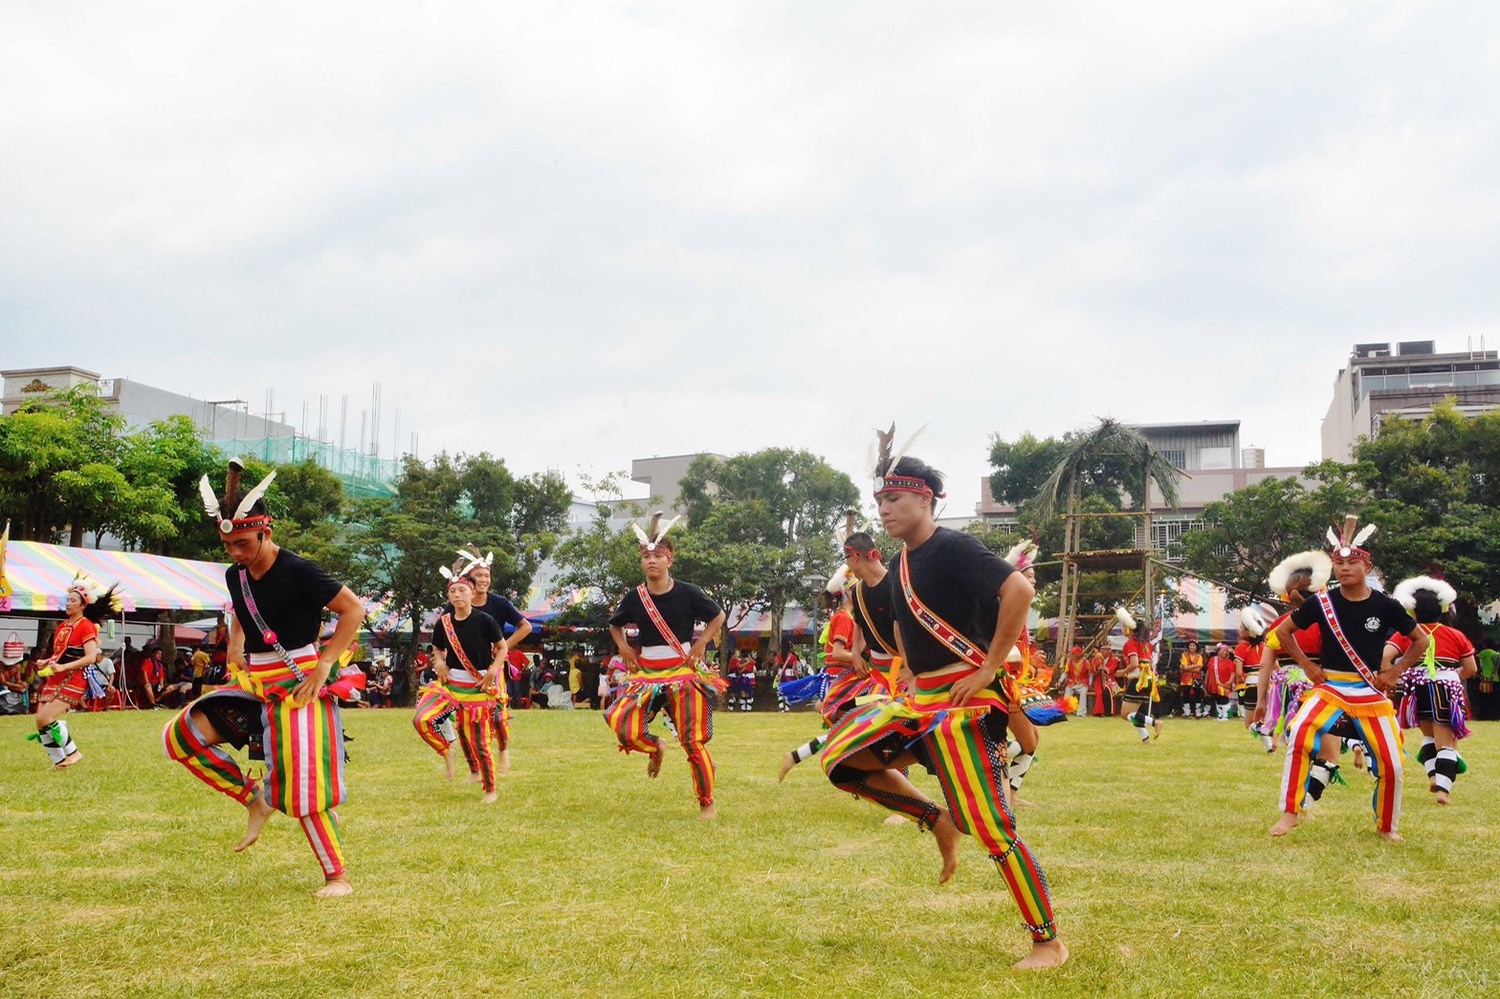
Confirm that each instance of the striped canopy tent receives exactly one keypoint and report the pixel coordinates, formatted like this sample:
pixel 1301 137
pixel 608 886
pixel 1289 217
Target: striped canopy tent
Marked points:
pixel 541 607
pixel 1210 619
pixel 38 575
pixel 794 623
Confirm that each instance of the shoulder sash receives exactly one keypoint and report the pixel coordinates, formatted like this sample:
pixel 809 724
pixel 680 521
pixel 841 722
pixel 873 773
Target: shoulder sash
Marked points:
pixel 950 637
pixel 1326 602
pixel 457 647
pixel 660 622
pixel 864 612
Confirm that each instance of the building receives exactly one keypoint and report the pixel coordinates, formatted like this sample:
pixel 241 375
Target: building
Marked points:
pixel 1404 380
pixel 663 476
pixel 226 423
pixel 1214 465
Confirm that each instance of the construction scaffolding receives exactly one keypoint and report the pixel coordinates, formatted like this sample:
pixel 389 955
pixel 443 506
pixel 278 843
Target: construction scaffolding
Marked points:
pixel 1092 613
pixel 364 476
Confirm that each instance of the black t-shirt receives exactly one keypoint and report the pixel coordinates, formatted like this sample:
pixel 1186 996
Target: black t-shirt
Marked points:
pixel 958 579
pixel 290 597
pixel 681 607
pixel 1366 623
pixel 878 624
pixel 477 634
pixel 502 610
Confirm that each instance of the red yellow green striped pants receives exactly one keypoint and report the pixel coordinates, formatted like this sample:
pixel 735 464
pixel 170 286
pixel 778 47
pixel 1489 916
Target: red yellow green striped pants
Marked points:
pixel 476 727
pixel 688 705
pixel 970 767
pixel 433 703
pixel 1320 711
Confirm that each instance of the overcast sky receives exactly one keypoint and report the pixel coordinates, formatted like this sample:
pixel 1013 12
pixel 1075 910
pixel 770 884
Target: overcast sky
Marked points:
pixel 572 234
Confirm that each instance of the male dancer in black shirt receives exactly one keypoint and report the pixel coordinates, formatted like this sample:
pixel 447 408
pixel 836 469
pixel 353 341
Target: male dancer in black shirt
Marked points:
pixel 959 609
pixel 278 675
pixel 1355 622
pixel 469 653
pixel 667 670
pixel 506 616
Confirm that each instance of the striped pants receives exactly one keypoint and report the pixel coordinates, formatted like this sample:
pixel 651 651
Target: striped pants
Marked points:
pixel 1319 713
pixel 970 765
pixel 433 707
pixel 476 727
pixel 691 711
pixel 304 766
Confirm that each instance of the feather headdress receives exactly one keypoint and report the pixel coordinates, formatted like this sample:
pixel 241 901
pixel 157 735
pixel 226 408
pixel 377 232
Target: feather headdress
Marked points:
pixel 1253 620
pixel 471 552
pixel 1347 543
pixel 98 602
pixel 1126 619
pixel 655 536
pixel 1319 564
pixel 1023 554
pixel 839 581
pixel 468 558
pixel 1406 591
pixel 887 457
pixel 235 512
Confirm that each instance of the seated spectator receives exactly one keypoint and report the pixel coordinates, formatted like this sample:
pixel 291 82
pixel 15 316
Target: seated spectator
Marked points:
pixel 12 687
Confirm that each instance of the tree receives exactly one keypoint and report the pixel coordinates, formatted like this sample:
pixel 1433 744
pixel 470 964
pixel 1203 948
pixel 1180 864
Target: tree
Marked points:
pixel 780 507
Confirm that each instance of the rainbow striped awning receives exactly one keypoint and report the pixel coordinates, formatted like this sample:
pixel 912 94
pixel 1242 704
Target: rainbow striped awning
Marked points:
pixel 39 575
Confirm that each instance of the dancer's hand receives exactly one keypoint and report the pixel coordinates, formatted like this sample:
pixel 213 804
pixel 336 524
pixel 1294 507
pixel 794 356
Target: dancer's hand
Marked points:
pixel 632 661
pixel 1257 714
pixel 861 666
pixel 972 684
pixel 307 691
pixel 1315 673
pixel 1387 679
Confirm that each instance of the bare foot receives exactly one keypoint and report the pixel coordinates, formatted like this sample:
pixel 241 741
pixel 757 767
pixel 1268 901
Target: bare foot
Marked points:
pixel 948 837
pixel 1285 824
pixel 502 766
pixel 1155 734
pixel 707 813
pixel 474 777
pixel 448 764
pixel 1048 954
pixel 1392 837
pixel 69 760
pixel 1442 797
pixel 1021 802
pixel 787 762
pixel 489 798
pixel 259 813
pixel 334 887
pixel 1432 787
pixel 1359 757
pixel 896 819
pixel 653 763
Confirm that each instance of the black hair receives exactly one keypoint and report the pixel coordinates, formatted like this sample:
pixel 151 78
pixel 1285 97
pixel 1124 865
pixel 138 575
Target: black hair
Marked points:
pixel 832 598
pixel 916 468
pixel 861 542
pixel 1426 607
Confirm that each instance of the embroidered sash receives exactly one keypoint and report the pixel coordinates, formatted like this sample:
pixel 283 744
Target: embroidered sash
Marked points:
pixel 457 648
pixel 266 634
pixel 945 633
pixel 1326 602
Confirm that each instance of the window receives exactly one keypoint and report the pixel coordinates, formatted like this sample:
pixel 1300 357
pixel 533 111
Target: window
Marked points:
pixel 1215 457
pixel 1165 533
pixel 1176 457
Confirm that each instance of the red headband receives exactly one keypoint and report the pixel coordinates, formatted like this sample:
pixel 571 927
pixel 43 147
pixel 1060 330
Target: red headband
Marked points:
pixel 873 554
pixel 254 522
pixel 1349 552
pixel 905 484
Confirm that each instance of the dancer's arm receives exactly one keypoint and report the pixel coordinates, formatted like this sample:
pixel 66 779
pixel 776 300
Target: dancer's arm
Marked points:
pixel 1016 594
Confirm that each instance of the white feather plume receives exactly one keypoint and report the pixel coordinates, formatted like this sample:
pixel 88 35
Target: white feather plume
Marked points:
pixel 1333 539
pixel 1253 620
pixel 1406 591
pixel 640 533
pixel 210 501
pixel 661 531
pixel 445 572
pixel 1363 535
pixel 1125 618
pixel 1315 562
pixel 900 452
pixel 255 494
pixel 839 581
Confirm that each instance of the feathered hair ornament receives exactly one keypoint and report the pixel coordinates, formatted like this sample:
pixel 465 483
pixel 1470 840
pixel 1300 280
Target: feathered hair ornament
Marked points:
pixel 839 581
pixel 98 603
pixel 655 536
pixel 885 458
pixel 1406 592
pixel 1318 564
pixel 1023 554
pixel 1126 619
pixel 1253 620
pixel 468 558
pixel 235 512
pixel 1346 543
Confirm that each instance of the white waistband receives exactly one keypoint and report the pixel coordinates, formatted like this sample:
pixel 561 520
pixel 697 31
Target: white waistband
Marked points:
pixel 301 653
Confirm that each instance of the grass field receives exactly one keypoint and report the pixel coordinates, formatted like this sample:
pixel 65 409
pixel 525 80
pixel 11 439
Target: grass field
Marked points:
pixel 588 880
